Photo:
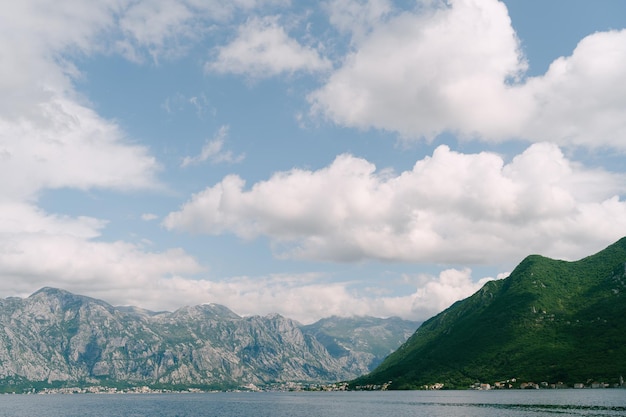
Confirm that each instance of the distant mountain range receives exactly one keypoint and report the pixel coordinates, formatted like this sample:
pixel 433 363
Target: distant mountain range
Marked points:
pixel 56 338
pixel 550 321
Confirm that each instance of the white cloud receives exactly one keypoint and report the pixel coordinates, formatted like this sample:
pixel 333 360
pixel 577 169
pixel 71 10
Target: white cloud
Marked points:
pixel 357 17
pixel 458 68
pixel 263 48
pixel 581 100
pixel 35 35
pixel 163 27
pixel 213 150
pixel 303 297
pixel 149 217
pixel 435 294
pixel 450 208
pixel 419 74
pixel 30 261
pixel 39 249
pixel 451 74
pixel 50 138
pixel 25 218
pixel 125 274
pixel 68 145
pixel 154 24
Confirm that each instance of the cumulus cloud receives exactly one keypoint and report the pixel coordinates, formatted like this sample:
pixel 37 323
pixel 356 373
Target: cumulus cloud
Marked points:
pixel 421 73
pixel 62 250
pixel 19 217
pixel 263 48
pixel 69 145
pixel 213 150
pixel 33 40
pixel 38 248
pixel 303 297
pixel 458 68
pixel 435 294
pixel 451 208
pixel 581 100
pixel 50 138
pixel 122 273
pixel 447 68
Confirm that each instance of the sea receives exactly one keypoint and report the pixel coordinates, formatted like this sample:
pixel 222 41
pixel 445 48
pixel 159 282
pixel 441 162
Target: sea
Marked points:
pixel 513 403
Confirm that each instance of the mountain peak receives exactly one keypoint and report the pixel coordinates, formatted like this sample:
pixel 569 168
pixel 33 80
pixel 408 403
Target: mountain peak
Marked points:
pixel 65 298
pixel 51 291
pixel 206 310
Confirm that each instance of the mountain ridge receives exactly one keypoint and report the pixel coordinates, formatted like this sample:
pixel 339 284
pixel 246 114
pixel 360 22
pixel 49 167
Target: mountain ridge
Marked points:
pixel 54 337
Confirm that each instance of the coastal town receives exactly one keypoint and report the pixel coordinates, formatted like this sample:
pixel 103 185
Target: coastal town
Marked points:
pixel 512 383
pixel 278 387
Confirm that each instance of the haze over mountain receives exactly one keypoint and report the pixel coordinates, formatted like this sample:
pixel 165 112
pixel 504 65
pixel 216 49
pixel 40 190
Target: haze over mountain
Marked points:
pixel 55 337
pixel 550 320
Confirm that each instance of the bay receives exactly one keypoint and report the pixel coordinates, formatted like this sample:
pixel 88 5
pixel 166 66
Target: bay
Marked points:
pixel 514 403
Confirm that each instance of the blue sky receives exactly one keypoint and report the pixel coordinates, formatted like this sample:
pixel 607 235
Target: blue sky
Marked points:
pixel 342 157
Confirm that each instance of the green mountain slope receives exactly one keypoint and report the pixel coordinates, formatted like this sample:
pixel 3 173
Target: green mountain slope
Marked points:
pixel 550 320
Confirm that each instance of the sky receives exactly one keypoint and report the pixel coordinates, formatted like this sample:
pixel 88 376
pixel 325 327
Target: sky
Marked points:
pixel 340 157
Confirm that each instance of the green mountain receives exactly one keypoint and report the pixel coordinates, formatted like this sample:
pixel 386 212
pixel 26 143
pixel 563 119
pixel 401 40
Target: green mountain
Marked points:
pixel 550 320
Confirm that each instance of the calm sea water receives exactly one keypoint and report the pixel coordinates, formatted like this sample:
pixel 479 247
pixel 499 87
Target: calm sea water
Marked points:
pixel 608 402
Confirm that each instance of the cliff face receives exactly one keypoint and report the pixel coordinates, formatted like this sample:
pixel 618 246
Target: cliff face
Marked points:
pixel 54 335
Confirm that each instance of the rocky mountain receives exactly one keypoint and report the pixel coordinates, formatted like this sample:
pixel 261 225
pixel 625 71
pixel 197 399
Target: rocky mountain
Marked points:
pixel 549 321
pixel 56 337
pixel 362 342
